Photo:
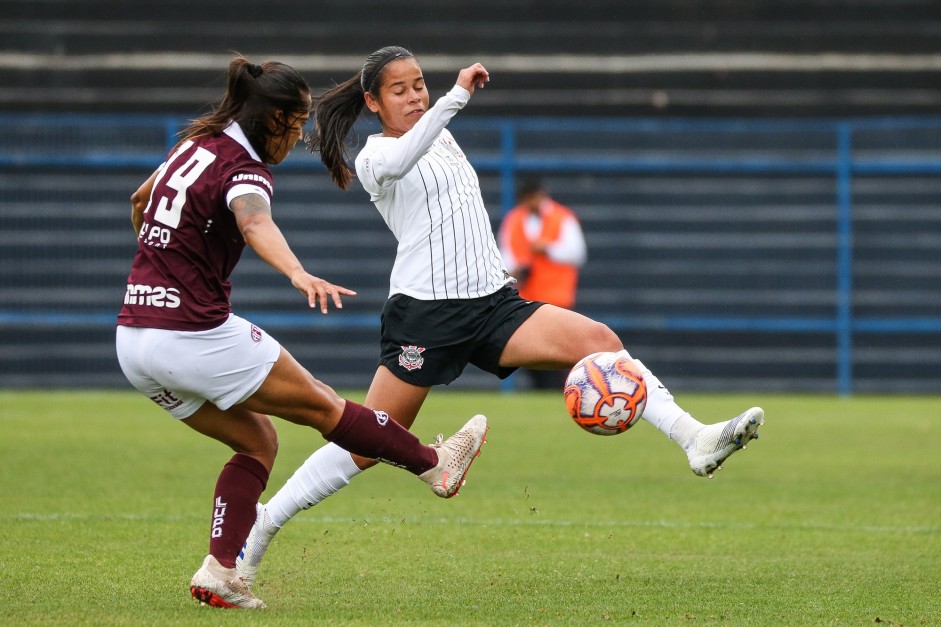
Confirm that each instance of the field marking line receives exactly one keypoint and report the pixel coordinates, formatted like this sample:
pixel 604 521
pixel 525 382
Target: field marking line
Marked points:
pixel 492 522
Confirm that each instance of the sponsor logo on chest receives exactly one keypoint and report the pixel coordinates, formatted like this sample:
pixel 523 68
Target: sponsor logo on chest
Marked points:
pixel 449 151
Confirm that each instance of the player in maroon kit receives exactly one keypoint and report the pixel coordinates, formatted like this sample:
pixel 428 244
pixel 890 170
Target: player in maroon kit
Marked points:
pixel 179 343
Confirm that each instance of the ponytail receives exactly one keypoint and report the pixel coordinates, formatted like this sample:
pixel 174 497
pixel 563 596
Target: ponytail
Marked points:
pixel 337 109
pixel 253 94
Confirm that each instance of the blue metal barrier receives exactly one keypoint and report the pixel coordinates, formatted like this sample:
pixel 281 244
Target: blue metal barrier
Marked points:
pixel 843 165
pixel 501 153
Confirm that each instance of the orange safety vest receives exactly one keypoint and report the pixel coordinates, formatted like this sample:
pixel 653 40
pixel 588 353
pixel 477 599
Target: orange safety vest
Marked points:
pixel 547 281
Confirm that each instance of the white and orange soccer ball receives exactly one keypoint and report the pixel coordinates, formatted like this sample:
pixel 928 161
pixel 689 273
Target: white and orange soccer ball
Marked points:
pixel 605 393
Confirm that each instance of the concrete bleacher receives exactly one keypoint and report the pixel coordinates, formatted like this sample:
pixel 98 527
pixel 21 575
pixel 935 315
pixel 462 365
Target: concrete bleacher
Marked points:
pixel 665 244
pixel 676 57
pixel 671 251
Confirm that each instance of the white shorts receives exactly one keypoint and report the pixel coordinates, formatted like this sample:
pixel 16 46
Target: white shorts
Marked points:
pixel 181 370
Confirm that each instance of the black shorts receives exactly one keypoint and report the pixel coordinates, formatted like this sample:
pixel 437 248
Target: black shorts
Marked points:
pixel 430 342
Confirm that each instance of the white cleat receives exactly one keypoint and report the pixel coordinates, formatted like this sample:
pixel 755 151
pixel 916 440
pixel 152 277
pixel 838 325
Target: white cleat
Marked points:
pixel 218 586
pixel 455 456
pixel 713 444
pixel 249 559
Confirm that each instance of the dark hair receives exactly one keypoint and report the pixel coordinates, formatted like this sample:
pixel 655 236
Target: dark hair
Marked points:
pixel 337 109
pixel 528 187
pixel 253 94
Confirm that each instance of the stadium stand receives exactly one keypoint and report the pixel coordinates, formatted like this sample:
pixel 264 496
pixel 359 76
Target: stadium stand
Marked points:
pixel 548 57
pixel 680 248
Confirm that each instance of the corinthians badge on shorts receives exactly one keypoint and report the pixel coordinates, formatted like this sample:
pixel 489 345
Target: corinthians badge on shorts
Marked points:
pixel 411 358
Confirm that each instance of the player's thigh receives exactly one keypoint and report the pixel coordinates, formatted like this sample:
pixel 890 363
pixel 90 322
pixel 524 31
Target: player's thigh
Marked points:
pixel 294 394
pixel 244 431
pixel 180 370
pixel 401 400
pixel 557 338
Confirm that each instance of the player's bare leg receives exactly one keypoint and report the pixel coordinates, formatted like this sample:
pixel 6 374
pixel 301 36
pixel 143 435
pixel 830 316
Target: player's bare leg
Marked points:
pixel 557 338
pixel 328 470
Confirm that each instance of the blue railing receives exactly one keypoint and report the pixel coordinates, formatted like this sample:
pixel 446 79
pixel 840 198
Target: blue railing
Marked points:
pixel 842 165
pixel 501 152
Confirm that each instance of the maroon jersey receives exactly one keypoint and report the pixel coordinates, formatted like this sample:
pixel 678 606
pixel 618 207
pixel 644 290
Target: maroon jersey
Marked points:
pixel 190 242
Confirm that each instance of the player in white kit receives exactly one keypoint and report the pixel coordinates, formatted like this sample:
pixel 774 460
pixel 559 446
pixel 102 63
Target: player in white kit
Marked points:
pixel 451 301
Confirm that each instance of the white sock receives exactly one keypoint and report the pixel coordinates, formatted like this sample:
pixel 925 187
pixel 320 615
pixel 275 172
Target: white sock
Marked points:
pixel 684 431
pixel 663 412
pixel 323 473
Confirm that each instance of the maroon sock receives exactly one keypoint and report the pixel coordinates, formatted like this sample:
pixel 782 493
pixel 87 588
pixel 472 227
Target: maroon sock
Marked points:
pixel 238 488
pixel 373 434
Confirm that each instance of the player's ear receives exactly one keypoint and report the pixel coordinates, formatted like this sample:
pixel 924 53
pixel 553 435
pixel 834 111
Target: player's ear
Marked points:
pixel 371 102
pixel 277 122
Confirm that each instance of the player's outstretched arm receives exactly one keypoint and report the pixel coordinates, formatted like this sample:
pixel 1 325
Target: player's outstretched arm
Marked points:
pixel 253 215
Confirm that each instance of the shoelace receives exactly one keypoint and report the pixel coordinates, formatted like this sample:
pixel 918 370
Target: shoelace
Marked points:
pixel 460 443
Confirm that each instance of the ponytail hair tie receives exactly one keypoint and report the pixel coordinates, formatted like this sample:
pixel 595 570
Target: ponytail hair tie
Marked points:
pixel 255 70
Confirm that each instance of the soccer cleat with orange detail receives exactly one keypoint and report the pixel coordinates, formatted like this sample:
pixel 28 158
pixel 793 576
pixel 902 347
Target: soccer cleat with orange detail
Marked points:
pixel 218 586
pixel 455 456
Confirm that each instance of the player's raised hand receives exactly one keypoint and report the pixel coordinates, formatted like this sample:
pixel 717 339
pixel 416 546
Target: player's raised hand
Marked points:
pixel 320 292
pixel 475 76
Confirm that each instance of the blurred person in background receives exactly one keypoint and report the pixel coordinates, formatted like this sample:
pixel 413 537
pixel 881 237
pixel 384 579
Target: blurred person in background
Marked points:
pixel 451 301
pixel 179 343
pixel 543 247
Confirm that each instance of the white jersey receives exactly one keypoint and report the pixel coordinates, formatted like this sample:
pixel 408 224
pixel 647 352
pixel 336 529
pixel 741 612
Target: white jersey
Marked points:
pixel 429 196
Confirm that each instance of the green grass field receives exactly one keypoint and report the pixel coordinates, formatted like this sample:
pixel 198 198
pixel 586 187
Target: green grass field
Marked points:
pixel 832 517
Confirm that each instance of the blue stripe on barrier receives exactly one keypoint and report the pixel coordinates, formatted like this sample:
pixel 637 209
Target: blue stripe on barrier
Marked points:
pixel 340 320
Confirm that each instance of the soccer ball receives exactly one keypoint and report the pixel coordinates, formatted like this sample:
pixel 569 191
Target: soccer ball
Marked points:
pixel 605 393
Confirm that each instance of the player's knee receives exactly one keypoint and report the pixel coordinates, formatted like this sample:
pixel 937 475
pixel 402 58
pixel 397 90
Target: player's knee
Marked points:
pixel 319 407
pixel 270 438
pixel 600 337
pixel 263 445
pixel 324 403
